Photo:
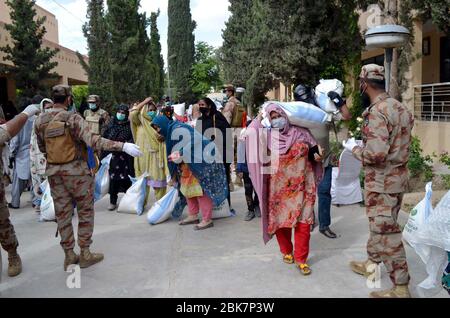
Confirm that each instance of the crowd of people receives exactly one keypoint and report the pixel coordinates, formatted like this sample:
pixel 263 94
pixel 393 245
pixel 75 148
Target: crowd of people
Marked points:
pixel 196 153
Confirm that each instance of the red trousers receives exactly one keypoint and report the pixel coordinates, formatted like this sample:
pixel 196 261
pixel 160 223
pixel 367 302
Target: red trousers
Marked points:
pixel 302 235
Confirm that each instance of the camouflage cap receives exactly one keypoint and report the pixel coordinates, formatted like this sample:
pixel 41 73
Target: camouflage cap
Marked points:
pixel 229 87
pixel 372 72
pixel 93 99
pixel 61 91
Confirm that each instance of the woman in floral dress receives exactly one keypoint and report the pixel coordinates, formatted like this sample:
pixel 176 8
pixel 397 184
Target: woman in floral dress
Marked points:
pixel 288 192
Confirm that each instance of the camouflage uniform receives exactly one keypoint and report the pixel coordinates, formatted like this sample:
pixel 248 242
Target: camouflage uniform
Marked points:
pixel 387 138
pixel 73 182
pixel 227 111
pixel 8 237
pixel 102 117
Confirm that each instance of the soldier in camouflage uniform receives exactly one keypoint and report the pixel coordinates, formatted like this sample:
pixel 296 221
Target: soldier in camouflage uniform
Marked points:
pixel 387 138
pixel 8 237
pixel 73 181
pixel 97 118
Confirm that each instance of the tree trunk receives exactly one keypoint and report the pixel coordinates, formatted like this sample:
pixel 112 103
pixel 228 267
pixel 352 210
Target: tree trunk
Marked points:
pixel 391 17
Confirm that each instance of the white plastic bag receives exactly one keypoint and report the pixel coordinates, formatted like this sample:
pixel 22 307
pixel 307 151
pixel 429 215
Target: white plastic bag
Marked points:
pixel 102 179
pixel 161 211
pixel 299 114
pixel 222 211
pixel 179 109
pixel 133 201
pixel 434 257
pixel 47 206
pixel 436 231
pixel 418 216
pixel 322 90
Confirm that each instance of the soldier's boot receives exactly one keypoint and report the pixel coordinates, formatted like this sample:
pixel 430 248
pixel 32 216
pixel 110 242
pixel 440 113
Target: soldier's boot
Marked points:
pixel 87 259
pixel 14 264
pixel 70 259
pixel 399 291
pixel 366 268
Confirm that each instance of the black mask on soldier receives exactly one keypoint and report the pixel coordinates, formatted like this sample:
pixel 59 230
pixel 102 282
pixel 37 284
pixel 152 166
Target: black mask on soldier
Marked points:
pixel 365 98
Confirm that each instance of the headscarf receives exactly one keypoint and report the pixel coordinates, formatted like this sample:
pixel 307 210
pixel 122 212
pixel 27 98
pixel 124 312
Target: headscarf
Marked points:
pixel 216 120
pixel 211 176
pixel 119 130
pixel 44 101
pixel 151 134
pixel 289 135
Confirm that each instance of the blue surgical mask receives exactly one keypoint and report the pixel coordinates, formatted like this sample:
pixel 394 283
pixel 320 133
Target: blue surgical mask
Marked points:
pixel 92 106
pixel 152 115
pixel 279 123
pixel 121 117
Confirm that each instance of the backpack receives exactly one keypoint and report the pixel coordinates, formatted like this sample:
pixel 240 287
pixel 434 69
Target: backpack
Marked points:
pixel 237 116
pixel 59 143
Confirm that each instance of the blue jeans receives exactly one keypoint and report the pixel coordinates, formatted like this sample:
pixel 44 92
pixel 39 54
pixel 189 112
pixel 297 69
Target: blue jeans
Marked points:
pixel 324 194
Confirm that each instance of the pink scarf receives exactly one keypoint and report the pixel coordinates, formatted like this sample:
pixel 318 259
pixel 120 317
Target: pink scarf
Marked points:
pixel 289 135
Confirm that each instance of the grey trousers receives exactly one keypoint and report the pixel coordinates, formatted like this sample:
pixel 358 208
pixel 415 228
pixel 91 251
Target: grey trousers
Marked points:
pixel 18 187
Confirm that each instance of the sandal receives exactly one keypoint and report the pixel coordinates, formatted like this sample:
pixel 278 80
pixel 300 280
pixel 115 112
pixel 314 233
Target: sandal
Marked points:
pixel 304 269
pixel 189 221
pixel 288 259
pixel 204 227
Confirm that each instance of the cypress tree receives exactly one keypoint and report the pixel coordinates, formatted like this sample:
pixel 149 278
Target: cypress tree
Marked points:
pixel 32 63
pixel 129 49
pixel 98 40
pixel 181 43
pixel 155 59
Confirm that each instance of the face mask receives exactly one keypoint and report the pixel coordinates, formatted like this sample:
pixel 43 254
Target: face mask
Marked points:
pixel 92 106
pixel 121 117
pixel 279 123
pixel 204 110
pixel 152 115
pixel 365 98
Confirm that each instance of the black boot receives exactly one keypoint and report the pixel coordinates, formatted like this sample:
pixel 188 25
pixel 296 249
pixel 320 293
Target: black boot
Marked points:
pixel 250 216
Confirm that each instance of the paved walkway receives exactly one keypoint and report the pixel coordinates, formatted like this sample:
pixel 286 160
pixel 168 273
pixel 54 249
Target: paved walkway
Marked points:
pixel 167 260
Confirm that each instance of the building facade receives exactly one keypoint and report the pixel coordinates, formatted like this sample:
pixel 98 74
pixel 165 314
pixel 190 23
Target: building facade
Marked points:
pixel 428 93
pixel 69 68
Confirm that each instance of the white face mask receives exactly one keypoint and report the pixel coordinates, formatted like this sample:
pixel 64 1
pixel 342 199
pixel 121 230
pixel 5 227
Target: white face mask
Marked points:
pixel 279 123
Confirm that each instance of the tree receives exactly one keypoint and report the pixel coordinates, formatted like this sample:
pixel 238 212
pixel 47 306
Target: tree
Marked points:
pixel 155 60
pixel 181 43
pixel 32 63
pixel 206 70
pixel 243 62
pixel 130 47
pixel 98 40
pixel 270 41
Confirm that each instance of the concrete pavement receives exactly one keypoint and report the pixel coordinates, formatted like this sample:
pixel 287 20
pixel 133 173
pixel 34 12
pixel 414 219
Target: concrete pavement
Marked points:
pixel 167 260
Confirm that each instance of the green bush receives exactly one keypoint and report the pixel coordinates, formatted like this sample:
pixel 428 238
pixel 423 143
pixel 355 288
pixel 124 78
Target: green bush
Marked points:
pixel 445 159
pixel 446 181
pixel 419 165
pixel 79 92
